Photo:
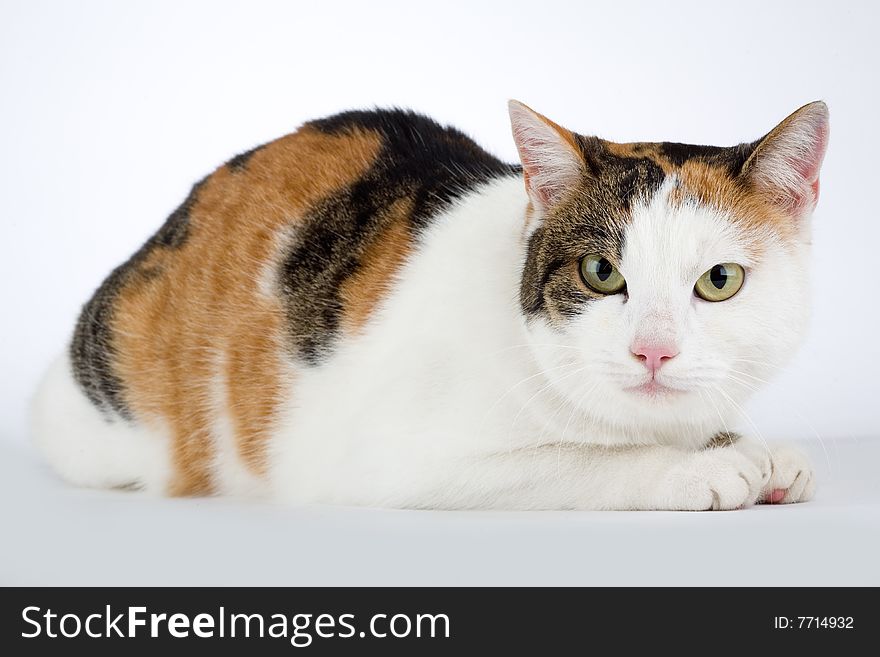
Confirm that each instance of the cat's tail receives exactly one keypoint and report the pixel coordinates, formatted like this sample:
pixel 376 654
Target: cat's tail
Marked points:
pixel 88 447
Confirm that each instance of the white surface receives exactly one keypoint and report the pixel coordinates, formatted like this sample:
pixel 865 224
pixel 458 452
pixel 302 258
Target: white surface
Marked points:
pixel 112 110
pixel 56 535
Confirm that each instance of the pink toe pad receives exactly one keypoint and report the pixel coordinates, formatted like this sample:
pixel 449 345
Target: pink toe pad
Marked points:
pixel 775 496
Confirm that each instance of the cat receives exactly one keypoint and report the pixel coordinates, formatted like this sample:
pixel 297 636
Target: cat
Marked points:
pixel 375 311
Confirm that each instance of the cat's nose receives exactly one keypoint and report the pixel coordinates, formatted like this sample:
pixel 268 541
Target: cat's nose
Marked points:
pixel 653 356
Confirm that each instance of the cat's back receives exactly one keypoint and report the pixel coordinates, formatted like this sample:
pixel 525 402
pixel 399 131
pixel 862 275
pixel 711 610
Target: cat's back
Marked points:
pixel 275 257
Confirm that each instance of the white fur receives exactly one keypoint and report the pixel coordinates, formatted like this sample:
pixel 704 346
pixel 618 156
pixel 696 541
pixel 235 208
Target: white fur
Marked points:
pixel 89 449
pixel 458 403
pixel 450 399
pixel 725 347
pixel 231 474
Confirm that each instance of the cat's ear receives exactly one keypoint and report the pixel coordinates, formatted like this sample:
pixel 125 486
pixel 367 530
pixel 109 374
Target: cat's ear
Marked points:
pixel 785 164
pixel 551 159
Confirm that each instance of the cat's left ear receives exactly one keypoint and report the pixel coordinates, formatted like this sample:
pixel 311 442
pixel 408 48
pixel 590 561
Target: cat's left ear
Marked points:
pixel 785 164
pixel 552 162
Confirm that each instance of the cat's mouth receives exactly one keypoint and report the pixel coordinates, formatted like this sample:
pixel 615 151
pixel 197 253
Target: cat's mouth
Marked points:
pixel 654 388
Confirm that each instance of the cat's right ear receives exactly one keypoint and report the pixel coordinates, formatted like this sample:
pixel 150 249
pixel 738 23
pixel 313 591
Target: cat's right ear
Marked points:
pixel 550 156
pixel 785 164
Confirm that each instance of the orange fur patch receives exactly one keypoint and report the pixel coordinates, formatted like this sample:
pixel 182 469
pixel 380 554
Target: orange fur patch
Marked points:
pixel 194 315
pixel 713 186
pixel 255 382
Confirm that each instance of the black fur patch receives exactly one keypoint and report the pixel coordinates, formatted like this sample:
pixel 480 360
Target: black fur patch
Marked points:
pixel 420 161
pixel 536 274
pixel 91 350
pixel 618 180
pixel 174 231
pixel 731 158
pixel 723 439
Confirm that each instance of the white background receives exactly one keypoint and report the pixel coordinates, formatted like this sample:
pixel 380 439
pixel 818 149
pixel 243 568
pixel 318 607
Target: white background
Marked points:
pixel 109 111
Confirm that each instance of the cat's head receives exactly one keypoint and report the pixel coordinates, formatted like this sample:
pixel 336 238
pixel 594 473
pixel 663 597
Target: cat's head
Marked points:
pixel 664 282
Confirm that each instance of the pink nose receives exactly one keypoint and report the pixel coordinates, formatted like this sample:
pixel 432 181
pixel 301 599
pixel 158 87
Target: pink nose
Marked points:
pixel 653 356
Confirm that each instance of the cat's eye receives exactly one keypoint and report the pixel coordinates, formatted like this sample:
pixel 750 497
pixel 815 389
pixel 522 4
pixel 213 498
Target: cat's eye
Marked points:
pixel 721 282
pixel 600 275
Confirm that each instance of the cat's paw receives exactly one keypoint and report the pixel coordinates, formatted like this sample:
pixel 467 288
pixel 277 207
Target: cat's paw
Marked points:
pixel 714 480
pixel 792 479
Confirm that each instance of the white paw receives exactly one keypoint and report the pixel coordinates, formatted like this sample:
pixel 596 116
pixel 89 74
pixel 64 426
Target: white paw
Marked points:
pixel 715 479
pixel 758 454
pixel 792 479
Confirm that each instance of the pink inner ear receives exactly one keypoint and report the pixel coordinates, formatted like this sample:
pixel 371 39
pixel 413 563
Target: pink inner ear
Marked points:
pixel 529 154
pixel 546 164
pixel 787 162
pixel 809 167
pixel 540 193
pixel 550 164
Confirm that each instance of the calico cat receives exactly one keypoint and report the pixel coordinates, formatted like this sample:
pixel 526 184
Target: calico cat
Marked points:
pixel 374 310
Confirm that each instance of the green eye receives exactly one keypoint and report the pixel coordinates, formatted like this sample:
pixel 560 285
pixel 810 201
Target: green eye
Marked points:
pixel 600 275
pixel 721 282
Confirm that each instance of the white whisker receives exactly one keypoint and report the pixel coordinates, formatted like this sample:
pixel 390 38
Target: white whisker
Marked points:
pixel 746 416
pixel 533 397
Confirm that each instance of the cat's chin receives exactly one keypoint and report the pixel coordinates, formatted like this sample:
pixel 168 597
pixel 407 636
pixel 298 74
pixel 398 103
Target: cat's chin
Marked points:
pixel 651 404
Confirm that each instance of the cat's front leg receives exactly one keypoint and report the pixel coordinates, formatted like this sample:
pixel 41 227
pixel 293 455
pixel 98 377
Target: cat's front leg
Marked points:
pixel 569 476
pixel 791 475
pixel 714 479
